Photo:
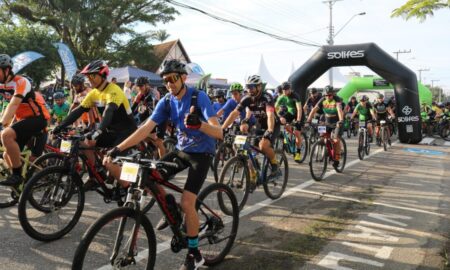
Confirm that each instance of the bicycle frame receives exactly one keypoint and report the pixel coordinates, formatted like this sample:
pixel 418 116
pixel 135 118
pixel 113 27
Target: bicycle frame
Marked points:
pixel 246 150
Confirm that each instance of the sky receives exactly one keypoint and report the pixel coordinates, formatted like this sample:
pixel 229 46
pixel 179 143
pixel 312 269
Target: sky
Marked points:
pixel 228 51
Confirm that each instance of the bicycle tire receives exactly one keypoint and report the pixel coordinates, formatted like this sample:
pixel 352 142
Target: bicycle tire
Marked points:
pixel 319 153
pixel 445 133
pixel 29 226
pixel 361 146
pixel 223 153
pixel 384 137
pixel 106 219
pixel 246 186
pixel 367 148
pixel 8 196
pixel 343 159
pixel 303 148
pixel 222 190
pixel 44 160
pixel 266 185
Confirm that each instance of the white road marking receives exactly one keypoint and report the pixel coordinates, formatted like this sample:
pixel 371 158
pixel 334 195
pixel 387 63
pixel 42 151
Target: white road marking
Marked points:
pixel 426 140
pixel 331 261
pixel 372 234
pixel 447 143
pixel 389 218
pixel 380 253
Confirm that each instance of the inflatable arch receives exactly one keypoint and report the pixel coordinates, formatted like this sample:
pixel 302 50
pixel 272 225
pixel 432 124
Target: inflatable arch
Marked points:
pixel 376 83
pixel 402 78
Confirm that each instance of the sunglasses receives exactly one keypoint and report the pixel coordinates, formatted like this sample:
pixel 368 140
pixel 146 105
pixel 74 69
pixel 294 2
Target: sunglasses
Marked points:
pixel 171 79
pixel 251 86
pixel 329 95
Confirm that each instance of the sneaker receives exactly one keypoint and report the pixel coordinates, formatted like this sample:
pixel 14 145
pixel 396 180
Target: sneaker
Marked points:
pixel 13 181
pixel 336 164
pixel 162 224
pixel 276 171
pixel 298 156
pixel 192 263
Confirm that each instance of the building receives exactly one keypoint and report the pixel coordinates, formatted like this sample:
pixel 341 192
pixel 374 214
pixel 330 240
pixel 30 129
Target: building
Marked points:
pixel 170 50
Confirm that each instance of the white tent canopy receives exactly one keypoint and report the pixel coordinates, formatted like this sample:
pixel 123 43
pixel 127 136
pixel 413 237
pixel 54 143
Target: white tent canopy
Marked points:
pixel 263 71
pixel 339 80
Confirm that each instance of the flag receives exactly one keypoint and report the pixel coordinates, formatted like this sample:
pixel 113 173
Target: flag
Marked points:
pixel 24 59
pixel 67 58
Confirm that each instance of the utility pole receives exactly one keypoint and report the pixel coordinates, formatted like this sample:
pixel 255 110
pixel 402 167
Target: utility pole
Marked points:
pixel 420 73
pixel 440 90
pixel 399 52
pixel 330 40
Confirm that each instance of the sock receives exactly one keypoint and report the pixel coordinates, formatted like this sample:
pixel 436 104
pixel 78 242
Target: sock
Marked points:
pixel 193 246
pixel 299 150
pixel 17 171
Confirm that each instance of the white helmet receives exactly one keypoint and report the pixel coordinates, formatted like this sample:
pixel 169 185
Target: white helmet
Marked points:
pixel 254 79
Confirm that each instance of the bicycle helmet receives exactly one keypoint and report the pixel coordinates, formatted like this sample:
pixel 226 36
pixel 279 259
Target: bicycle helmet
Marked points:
pixel 254 79
pixel 329 89
pixel 313 90
pixel 77 79
pixel 172 66
pixel 236 87
pixel 58 95
pixel 380 96
pixel 5 61
pixel 97 66
pixel 286 86
pixel 141 81
pixel 364 98
pixel 441 105
pixel 219 93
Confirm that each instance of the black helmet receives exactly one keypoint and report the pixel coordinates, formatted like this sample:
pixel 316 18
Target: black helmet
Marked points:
pixel 313 90
pixel 5 61
pixel 380 96
pixel 329 89
pixel 364 98
pixel 141 81
pixel 58 95
pixel 77 79
pixel 286 86
pixel 219 93
pixel 172 66
pixel 97 66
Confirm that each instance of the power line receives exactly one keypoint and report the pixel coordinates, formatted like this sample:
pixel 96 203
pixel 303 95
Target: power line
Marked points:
pixel 241 25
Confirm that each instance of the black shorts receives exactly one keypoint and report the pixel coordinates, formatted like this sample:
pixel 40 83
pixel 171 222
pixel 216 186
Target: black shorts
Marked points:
pixel 275 134
pixel 198 164
pixel 27 128
pixel 380 117
pixel 110 139
pixel 37 144
pixel 289 117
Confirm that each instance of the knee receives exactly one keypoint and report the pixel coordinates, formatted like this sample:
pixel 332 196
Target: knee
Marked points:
pixel 188 203
pixel 8 134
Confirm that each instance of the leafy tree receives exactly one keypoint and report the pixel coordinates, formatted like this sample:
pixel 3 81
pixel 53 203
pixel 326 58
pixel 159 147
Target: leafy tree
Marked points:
pixel 420 9
pixel 161 35
pixel 15 39
pixel 91 28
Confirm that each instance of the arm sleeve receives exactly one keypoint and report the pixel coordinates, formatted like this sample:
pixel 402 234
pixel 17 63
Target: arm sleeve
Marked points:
pixel 73 116
pixel 243 104
pixel 108 116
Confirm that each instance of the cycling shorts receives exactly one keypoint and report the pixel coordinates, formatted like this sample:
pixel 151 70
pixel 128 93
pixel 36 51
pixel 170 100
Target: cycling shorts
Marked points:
pixel 110 139
pixel 198 166
pixel 28 128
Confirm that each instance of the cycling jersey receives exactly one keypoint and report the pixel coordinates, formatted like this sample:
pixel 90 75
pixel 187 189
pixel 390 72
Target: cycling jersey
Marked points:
pixel 330 108
pixel 142 106
pixel 122 117
pixel 311 102
pixel 380 108
pixel 290 102
pixel 259 107
pixel 230 105
pixel 60 111
pixel 217 106
pixel 351 106
pixel 364 111
pixel 33 104
pixel 437 110
pixel 189 140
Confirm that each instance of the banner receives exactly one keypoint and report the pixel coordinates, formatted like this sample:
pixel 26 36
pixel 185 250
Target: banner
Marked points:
pixel 67 58
pixel 24 59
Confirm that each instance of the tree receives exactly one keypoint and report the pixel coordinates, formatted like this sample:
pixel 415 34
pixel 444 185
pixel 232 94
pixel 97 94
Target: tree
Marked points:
pixel 161 35
pixel 19 38
pixel 91 28
pixel 420 9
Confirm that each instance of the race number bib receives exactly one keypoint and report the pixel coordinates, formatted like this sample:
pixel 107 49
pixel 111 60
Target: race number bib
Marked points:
pixel 129 172
pixel 382 122
pixel 322 129
pixel 362 123
pixel 65 146
pixel 240 139
pixel 315 121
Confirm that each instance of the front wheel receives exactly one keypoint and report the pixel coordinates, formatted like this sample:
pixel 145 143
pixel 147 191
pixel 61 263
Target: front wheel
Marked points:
pixel 318 160
pixel 218 229
pixel 51 204
pixel 343 155
pixel 235 174
pixel 303 148
pixel 115 233
pixel 445 132
pixel 275 187
pixel 384 137
pixel 361 145
pixel 223 153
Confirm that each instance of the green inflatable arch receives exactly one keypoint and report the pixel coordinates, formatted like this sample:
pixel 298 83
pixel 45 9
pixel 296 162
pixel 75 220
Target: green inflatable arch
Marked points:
pixel 376 83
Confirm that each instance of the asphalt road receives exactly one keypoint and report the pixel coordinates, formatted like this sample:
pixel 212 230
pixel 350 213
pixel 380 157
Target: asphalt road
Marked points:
pixel 390 211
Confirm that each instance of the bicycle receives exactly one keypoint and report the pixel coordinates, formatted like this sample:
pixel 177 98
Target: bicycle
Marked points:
pixel 251 172
pixel 130 247
pixel 224 152
pixel 61 192
pixel 323 151
pixel 287 138
pixel 385 135
pixel 363 140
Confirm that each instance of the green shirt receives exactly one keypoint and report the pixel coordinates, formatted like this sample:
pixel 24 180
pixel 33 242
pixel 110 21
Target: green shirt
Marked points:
pixel 364 112
pixel 289 102
pixel 60 111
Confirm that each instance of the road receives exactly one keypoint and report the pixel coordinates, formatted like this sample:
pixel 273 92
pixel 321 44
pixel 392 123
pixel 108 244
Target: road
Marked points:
pixel 390 211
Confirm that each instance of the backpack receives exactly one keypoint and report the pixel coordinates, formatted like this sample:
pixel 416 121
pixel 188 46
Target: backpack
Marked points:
pixel 194 100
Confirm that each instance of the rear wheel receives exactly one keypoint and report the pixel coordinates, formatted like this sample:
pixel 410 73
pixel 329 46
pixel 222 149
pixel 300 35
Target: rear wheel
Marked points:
pixel 318 160
pixel 275 187
pixel 303 148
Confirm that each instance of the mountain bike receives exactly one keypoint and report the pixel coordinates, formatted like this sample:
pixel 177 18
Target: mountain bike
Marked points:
pixel 245 172
pixel 385 135
pixel 323 151
pixel 363 140
pixel 287 138
pixel 126 235
pixel 224 152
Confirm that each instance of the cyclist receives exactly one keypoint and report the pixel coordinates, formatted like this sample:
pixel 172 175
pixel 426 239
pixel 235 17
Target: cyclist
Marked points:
pixel 311 102
pixel 366 113
pixel 219 95
pixel 117 121
pixel 261 104
pixel 332 108
pixel 80 91
pixel 246 117
pixel 382 110
pixel 60 107
pixel 30 113
pixel 143 107
pixel 291 115
pixel 198 128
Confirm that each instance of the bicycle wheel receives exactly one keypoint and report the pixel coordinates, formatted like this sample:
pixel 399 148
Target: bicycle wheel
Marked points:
pixel 217 230
pixel 60 197
pixel 384 137
pixel 107 242
pixel 349 132
pixel 44 161
pixel 303 148
pixel 9 196
pixel 361 146
pixel 223 153
pixel 275 187
pixel 367 148
pixel 235 174
pixel 445 133
pixel 318 160
pixel 343 159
